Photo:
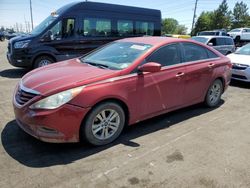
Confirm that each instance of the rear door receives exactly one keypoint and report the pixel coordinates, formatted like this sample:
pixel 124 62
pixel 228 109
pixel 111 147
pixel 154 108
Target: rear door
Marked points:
pixel 200 65
pixel 163 90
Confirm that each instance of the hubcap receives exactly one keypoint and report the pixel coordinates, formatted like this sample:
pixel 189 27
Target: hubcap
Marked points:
pixel 214 93
pixel 44 62
pixel 105 124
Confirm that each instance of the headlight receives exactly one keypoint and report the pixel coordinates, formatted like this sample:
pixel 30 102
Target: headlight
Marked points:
pixel 21 44
pixel 57 100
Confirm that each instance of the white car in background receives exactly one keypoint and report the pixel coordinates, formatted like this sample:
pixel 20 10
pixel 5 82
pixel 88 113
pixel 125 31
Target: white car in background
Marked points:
pixel 241 63
pixel 240 34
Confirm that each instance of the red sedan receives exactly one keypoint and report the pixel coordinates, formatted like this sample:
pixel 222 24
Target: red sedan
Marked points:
pixel 124 82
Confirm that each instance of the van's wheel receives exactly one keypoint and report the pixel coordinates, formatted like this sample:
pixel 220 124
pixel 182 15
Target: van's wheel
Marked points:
pixel 103 124
pixel 42 61
pixel 214 93
pixel 2 38
pixel 228 53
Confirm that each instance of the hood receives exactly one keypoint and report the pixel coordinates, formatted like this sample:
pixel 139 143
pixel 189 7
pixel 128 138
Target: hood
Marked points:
pixel 22 37
pixel 239 59
pixel 64 75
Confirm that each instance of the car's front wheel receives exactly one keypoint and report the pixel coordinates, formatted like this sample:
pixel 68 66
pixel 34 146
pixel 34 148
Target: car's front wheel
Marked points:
pixel 103 124
pixel 214 93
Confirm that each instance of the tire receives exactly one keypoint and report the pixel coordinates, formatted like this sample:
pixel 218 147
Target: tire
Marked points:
pixel 2 38
pixel 42 61
pixel 99 124
pixel 228 53
pixel 214 93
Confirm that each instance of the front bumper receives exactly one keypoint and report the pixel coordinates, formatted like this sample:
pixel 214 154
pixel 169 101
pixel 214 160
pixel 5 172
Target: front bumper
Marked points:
pixel 242 75
pixel 61 125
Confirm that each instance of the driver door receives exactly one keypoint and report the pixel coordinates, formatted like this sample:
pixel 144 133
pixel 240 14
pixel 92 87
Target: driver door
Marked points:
pixel 64 38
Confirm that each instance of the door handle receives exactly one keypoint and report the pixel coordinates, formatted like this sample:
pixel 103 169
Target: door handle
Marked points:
pixel 179 74
pixel 211 65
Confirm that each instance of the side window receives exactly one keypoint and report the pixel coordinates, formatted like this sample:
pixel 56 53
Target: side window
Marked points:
pixel 167 55
pixel 220 41
pixel 213 41
pixel 248 30
pixel 144 28
pixel 193 52
pixel 96 27
pixel 229 41
pixel 56 31
pixel 63 29
pixel 211 54
pixel 68 27
pixel 125 27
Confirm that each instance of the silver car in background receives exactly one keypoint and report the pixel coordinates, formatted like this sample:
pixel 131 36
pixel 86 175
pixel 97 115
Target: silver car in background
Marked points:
pixel 223 44
pixel 241 63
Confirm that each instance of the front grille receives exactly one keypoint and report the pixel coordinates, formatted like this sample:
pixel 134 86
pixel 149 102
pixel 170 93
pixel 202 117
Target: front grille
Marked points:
pixel 239 76
pixel 23 97
pixel 239 66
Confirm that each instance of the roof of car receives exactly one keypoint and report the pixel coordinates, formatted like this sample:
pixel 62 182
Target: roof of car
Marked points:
pixel 152 40
pixel 212 36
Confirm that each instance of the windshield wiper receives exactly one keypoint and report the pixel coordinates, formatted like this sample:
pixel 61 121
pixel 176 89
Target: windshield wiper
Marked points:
pixel 102 66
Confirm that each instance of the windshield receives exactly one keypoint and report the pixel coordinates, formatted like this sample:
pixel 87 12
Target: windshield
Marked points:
pixel 43 25
pixel 200 39
pixel 117 55
pixel 245 50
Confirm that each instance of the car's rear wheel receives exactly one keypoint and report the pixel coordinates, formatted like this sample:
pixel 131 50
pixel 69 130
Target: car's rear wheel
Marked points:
pixel 43 61
pixel 103 124
pixel 214 93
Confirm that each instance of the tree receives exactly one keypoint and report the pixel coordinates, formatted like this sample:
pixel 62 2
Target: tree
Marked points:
pixel 181 30
pixel 221 17
pixel 240 16
pixel 171 26
pixel 204 22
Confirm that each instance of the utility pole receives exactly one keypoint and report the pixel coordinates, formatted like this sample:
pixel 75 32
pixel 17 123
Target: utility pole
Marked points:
pixel 31 16
pixel 195 7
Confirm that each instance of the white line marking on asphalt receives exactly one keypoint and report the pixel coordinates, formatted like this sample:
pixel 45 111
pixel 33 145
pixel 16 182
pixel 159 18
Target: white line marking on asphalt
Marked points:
pixel 146 153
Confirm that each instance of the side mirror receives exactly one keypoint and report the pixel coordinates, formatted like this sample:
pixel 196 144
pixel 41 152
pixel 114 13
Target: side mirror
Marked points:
pixel 150 67
pixel 210 44
pixel 47 37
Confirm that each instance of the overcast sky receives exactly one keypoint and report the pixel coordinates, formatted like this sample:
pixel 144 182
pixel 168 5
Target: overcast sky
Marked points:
pixel 17 11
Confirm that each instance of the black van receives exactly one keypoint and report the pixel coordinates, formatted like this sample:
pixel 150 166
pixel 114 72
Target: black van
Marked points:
pixel 78 28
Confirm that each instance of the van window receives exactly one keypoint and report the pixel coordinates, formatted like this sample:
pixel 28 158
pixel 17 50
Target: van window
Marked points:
pixel 63 29
pixel 229 41
pixel 167 55
pixel 69 27
pixel 97 27
pixel 220 41
pixel 125 27
pixel 144 28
